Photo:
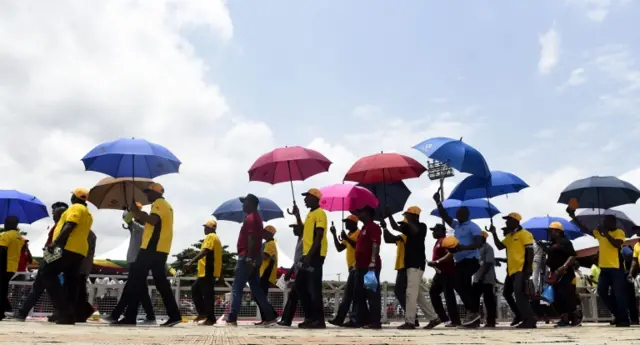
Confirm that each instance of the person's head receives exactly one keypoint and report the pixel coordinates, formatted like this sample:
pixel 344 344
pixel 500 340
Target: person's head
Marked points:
pixel 366 214
pixel 312 198
pixel 79 196
pixel 269 232
pixel 210 226
pixel 57 209
pixel 412 214
pixel 462 214
pixel 484 237
pixel 154 191
pixel 11 223
pixel 556 231
pixel 610 222
pixel 438 231
pixel 249 203
pixel 512 221
pixel 351 223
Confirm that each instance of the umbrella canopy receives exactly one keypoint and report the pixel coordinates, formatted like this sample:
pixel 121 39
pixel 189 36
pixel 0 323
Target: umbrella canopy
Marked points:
pixel 131 158
pixel 26 207
pixel 384 168
pixel 117 193
pixel 538 227
pixel 600 192
pixel 475 187
pixel 394 195
pixel 346 197
pixel 288 164
pixel 231 210
pixel 456 154
pixel 592 218
pixel 478 208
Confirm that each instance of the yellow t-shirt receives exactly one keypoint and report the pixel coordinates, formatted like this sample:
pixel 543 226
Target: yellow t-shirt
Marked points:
pixel 214 257
pixel 516 242
pixel 608 255
pixel 595 273
pixel 315 219
pixel 14 242
pixel 351 251
pixel 271 250
pixel 636 252
pixel 400 252
pixel 159 237
pixel 77 242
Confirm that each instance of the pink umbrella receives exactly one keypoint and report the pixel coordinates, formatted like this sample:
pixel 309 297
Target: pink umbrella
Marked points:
pixel 346 197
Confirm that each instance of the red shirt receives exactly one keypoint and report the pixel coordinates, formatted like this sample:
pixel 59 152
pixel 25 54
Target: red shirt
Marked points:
pixel 438 253
pixel 251 228
pixel 24 261
pixel 50 235
pixel 369 235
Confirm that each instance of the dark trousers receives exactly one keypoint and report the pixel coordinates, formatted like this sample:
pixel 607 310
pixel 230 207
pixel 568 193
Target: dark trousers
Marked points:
pixel 347 299
pixel 37 289
pixel 145 299
pixel 463 283
pixel 265 284
pixel 564 295
pixel 309 285
pixel 489 297
pixel 5 278
pixel 203 296
pixel 371 314
pixel 612 286
pixel 290 308
pixel 444 283
pixel 514 286
pixel 83 308
pixel 156 263
pixel 633 303
pixel 400 290
pixel 63 299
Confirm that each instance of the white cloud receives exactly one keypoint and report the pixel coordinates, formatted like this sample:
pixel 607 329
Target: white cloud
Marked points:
pixel 597 10
pixel 585 127
pixel 577 77
pixel 545 133
pixel 549 51
pixel 367 111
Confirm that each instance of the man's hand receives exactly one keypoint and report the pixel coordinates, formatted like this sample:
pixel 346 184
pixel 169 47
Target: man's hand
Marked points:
pixel 332 228
pixel 287 276
pixel 436 196
pixel 372 266
pixel 560 271
pixel 571 212
pixel 432 263
pixel 491 228
pixel 295 210
pixel 383 224
pixel 343 234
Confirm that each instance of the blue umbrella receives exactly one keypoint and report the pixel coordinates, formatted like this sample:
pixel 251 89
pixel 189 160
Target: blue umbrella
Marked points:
pixel 131 158
pixel 395 195
pixel 600 192
pixel 538 226
pixel 456 154
pixel 231 210
pixel 500 183
pixel 26 207
pixel 478 208
pixel 592 218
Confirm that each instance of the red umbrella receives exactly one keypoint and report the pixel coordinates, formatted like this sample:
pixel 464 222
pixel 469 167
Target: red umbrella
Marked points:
pixel 288 164
pixel 384 168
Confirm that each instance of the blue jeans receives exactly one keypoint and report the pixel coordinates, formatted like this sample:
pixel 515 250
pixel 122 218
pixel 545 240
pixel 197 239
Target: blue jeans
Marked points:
pixel 616 300
pixel 247 274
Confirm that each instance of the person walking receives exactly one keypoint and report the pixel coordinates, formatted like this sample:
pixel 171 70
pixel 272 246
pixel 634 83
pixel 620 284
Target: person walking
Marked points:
pixel 484 282
pixel 444 279
pixel 292 297
pixel 400 287
pixel 209 268
pixel 269 266
pixel 83 308
pixel 249 259
pixel 347 242
pixel 367 260
pixel 11 243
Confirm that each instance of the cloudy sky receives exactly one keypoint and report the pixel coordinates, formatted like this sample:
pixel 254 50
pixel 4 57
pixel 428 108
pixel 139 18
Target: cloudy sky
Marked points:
pixel 548 90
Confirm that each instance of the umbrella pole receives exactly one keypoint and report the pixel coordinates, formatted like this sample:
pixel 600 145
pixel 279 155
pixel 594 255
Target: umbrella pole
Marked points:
pixel 293 196
pixel 442 195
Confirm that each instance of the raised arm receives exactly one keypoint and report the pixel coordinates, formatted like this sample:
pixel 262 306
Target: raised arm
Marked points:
pixel 499 245
pixel 389 237
pixel 584 229
pixel 443 212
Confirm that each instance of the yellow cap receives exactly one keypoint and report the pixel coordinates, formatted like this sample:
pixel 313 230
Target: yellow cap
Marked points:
pixel 413 210
pixel 81 193
pixel 352 218
pixel 514 215
pixel 212 224
pixel 449 242
pixel 556 226
pixel 270 228
pixel 156 187
pixel 313 191
pixel 485 234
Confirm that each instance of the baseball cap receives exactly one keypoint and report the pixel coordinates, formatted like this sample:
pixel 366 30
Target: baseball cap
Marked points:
pixel 270 228
pixel 313 191
pixel 438 227
pixel 156 187
pixel 251 198
pixel 413 210
pixel 449 242
pixel 556 226
pixel 513 215
pixel 81 193
pixel 352 218
pixel 210 223
pixel 485 234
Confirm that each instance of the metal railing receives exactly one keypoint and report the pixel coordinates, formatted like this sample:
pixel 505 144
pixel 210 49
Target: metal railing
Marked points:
pixel 104 298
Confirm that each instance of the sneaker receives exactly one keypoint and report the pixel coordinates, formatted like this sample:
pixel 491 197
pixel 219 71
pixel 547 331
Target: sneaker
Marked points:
pixel 474 324
pixel 66 321
pixel 490 325
pixel 471 318
pixel 171 323
pixel 577 321
pixel 208 323
pixel 450 324
pixel 231 323
pixel 417 324
pixel 335 323
pixel 149 322
pixel 312 325
pixel 124 322
pixel 407 325
pixel 349 324
pixel 200 318
pixel 16 316
pixel 623 324
pixel 372 326
pixel 527 325
pixel 283 323
pixel 562 324
pixel 432 324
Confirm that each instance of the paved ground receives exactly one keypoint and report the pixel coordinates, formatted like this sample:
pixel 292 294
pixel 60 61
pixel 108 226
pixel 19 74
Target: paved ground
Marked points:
pixel 33 332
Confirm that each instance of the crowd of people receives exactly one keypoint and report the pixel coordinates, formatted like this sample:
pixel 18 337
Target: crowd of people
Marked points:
pixel 465 264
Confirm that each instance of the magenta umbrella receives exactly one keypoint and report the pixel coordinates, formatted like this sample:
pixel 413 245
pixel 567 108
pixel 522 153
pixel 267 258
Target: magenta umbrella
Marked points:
pixel 346 197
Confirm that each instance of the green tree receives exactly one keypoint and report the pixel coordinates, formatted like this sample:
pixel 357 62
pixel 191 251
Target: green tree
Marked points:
pixel 228 260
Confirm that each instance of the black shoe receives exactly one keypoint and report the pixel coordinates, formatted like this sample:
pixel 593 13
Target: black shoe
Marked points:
pixel 433 324
pixel 335 322
pixel 623 324
pixel 16 316
pixel 527 325
pixel 474 324
pixel 312 325
pixel 407 325
pixel 563 324
pixel 613 322
pixel 374 326
pixel 515 322
pixel 349 324
pixel 123 322
pixel 171 323
pixel 284 323
pixel 66 321
pixel 208 323
pixel 490 325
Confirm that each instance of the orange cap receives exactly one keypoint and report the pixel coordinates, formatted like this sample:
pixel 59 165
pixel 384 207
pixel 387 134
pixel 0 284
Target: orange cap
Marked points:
pixel 352 218
pixel 81 193
pixel 138 204
pixel 211 224
pixel 449 242
pixel 573 203
pixel 156 187
pixel 485 234
pixel 514 215
pixel 313 191
pixel 270 228
pixel 556 226
pixel 413 210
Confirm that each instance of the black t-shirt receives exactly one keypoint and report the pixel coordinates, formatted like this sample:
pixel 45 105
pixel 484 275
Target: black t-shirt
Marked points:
pixel 559 253
pixel 414 251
